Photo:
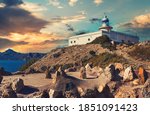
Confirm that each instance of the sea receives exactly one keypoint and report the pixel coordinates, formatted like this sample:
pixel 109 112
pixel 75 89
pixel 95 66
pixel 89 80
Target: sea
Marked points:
pixel 12 65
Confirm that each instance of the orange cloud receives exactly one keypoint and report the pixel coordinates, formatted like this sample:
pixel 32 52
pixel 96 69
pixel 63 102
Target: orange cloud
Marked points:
pixel 142 21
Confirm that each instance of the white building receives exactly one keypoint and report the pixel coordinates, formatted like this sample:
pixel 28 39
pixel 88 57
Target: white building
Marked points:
pixel 105 29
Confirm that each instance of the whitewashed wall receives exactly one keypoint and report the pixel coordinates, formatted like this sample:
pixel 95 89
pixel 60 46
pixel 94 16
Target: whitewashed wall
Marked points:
pixel 84 39
pixel 115 36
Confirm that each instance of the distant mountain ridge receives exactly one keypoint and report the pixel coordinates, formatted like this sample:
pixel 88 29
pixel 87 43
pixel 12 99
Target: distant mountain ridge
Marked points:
pixel 13 55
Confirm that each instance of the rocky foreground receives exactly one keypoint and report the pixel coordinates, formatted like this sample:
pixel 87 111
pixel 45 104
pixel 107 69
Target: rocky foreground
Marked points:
pixel 114 81
pixel 102 70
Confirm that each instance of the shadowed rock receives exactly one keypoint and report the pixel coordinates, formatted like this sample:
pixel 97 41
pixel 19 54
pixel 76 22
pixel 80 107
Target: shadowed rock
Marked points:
pixel 129 74
pixel 8 92
pixel 17 84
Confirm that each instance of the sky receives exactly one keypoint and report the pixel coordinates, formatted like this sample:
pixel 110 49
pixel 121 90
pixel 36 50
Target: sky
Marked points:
pixel 42 25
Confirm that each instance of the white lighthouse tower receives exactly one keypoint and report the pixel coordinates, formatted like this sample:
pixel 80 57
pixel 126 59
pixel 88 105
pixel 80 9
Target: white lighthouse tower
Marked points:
pixel 105 24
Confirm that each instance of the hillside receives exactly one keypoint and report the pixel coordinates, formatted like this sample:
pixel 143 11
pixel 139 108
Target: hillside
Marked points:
pixel 68 56
pixel 93 53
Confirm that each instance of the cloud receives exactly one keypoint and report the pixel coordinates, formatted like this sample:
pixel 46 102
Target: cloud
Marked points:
pixel 58 24
pixel 5 43
pixel 68 19
pixel 142 21
pixel 17 20
pixel 72 2
pixel 55 3
pixel 139 25
pixel 2 5
pixel 11 2
pixel 98 2
pixel 34 8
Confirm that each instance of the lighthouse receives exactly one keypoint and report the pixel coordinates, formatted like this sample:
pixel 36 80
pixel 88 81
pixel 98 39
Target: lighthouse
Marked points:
pixel 105 24
pixel 106 30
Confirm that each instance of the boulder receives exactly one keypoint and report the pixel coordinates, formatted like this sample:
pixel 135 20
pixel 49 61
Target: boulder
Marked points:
pixel 17 85
pixel 110 72
pixel 8 92
pixel 62 72
pixel 119 66
pixel 81 91
pixel 48 74
pixel 88 67
pixel 129 74
pixel 97 70
pixel 142 75
pixel 101 88
pixel 82 73
pixel 51 93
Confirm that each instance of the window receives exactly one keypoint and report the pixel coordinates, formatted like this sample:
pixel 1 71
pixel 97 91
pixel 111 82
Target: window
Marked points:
pixel 74 41
pixel 71 42
pixel 89 39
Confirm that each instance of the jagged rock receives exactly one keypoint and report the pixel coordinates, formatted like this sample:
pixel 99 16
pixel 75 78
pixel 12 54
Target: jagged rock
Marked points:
pixel 48 74
pixel 119 66
pixel 136 82
pixel 88 67
pixel 125 92
pixel 82 73
pixel 110 72
pixel 81 91
pixel 101 88
pixel 17 85
pixel 8 92
pixel 51 93
pixel 129 74
pixel 142 75
pixel 61 72
pixel 1 78
pixel 97 70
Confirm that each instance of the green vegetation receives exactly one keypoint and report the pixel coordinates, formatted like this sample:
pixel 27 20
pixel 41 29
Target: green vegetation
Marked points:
pixel 104 41
pixel 28 64
pixel 105 59
pixel 141 52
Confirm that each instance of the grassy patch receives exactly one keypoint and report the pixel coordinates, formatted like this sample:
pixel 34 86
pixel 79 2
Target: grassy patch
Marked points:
pixel 105 59
pixel 141 52
pixel 104 41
